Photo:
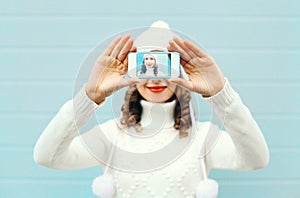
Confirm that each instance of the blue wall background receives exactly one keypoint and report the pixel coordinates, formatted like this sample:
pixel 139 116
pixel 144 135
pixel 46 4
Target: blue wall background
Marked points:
pixel 42 43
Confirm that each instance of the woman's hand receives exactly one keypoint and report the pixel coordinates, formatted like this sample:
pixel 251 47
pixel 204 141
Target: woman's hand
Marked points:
pixel 205 77
pixel 109 70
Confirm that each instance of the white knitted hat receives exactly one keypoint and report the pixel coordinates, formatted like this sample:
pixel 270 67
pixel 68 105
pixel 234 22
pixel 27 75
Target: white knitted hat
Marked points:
pixel 157 37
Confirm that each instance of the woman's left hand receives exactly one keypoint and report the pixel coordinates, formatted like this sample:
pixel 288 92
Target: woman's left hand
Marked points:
pixel 205 77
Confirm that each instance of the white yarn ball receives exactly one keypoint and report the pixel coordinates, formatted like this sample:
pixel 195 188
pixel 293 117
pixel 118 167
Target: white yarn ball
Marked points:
pixel 207 189
pixel 103 186
pixel 160 24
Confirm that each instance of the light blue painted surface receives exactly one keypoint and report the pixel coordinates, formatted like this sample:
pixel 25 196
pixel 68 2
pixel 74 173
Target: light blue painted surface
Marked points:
pixel 42 45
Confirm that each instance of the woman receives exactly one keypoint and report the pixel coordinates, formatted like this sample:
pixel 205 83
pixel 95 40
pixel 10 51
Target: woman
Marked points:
pixel 149 66
pixel 242 147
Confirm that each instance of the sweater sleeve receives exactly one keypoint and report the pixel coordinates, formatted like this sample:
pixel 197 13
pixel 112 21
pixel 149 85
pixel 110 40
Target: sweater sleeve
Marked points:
pixel 242 146
pixel 60 146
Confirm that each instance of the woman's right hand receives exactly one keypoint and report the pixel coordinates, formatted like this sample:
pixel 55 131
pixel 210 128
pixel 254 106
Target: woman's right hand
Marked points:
pixel 109 70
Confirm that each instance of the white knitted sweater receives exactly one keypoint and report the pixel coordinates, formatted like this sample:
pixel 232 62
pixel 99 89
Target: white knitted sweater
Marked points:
pixel 241 147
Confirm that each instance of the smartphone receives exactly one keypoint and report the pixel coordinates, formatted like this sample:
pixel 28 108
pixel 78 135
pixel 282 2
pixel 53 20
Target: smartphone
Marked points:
pixel 154 64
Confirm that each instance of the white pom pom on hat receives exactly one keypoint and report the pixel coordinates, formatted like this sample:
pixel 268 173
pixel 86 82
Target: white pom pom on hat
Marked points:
pixel 160 24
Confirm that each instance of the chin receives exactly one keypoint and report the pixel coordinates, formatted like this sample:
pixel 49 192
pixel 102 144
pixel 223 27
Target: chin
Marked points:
pixel 157 97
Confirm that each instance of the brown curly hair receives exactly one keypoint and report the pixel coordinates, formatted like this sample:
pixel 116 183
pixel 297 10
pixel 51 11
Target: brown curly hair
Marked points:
pixel 132 110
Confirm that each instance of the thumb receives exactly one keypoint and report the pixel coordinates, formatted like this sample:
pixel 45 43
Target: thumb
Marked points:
pixel 182 83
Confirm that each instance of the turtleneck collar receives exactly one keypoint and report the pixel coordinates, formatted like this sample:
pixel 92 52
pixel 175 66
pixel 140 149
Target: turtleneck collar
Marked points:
pixel 157 115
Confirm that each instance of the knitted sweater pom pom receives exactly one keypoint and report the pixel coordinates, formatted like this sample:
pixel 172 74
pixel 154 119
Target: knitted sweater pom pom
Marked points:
pixel 103 186
pixel 207 188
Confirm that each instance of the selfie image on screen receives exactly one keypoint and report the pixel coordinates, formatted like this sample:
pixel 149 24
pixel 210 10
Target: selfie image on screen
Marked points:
pixel 153 65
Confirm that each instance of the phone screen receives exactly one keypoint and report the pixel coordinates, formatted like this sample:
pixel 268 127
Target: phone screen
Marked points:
pixel 153 64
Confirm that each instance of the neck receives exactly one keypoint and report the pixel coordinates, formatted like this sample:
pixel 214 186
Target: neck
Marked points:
pixel 157 115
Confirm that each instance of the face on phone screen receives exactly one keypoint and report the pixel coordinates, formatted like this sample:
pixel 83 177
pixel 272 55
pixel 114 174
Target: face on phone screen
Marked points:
pixel 153 65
